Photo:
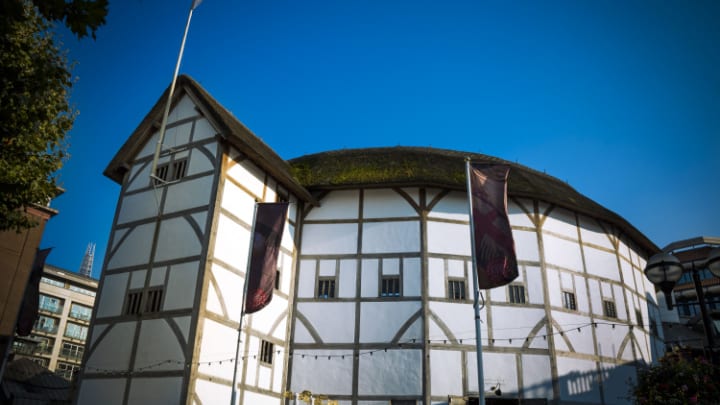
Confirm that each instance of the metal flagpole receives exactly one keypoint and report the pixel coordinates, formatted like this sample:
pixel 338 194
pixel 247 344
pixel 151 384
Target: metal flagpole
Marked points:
pixel 153 170
pixel 242 310
pixel 476 305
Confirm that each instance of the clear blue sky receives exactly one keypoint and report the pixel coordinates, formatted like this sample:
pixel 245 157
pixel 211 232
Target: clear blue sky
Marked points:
pixel 619 98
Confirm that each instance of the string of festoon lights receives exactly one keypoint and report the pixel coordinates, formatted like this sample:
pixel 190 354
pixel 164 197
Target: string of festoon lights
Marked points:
pixel 469 340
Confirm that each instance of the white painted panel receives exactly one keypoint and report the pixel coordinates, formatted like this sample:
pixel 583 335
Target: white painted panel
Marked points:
pixel 185 108
pixel 595 297
pixel 515 323
pixel 158 390
pixel 273 312
pixel 139 176
pixel 264 377
pixel 176 239
pixel 601 263
pixel 386 203
pixel 456 268
pixel 457 317
pixel 453 206
pixel 183 323
pixel 249 175
pixel 112 295
pixel 391 267
pixel 250 397
pixel 334 322
pixel 591 232
pixel 446 372
pixel 158 343
pixel 277 377
pixel 436 277
pixel 177 136
pixel 412 279
pixel 327 268
pixel 581 340
pixel 288 238
pixel 348 277
pixel 285 264
pixel 581 292
pixel 135 248
pixel 212 393
pixel 180 291
pixel 218 344
pixel 561 221
pixel 149 147
pixel 188 194
pixel 578 381
pixel 610 339
pixel 203 130
pixel 369 278
pixel 306 279
pixel 231 287
pixel 516 214
pixel 414 333
pixel 381 321
pixel 622 309
pixel 302 335
pixel 566 281
pixel 232 242
pixel 104 391
pixel 537 377
pixel 606 289
pixel 97 330
pixel 526 245
pixel 332 377
pixel 137 279
pixel 497 294
pixel 534 285
pixel 561 252
pixel 395 372
pixel 329 239
pixel 553 283
pixel 238 202
pixel 628 275
pixel 414 194
pixel 113 351
pixel 137 206
pixel 157 277
pixel 500 369
pixel 280 331
pixel 391 237
pixel 448 238
pixel 337 205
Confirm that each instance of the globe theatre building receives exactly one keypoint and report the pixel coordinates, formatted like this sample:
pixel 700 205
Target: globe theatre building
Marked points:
pixel 373 300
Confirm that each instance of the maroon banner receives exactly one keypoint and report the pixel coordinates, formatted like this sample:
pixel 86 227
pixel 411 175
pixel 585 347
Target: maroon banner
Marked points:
pixel 494 245
pixel 269 224
pixel 31 300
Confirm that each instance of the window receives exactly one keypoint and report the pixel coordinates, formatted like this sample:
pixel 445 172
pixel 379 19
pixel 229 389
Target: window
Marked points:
pixel 82 290
pixel 66 371
pixel 277 279
pixel 161 173
pixel 326 288
pixel 179 169
pixel 81 312
pixel 54 282
pixel 75 331
pixel 516 293
pixel 609 309
pixel 639 317
pixel 46 324
pixel 153 300
pixel 173 171
pixel 569 300
pixel 72 351
pixel 390 286
pixel 50 304
pixel 456 289
pixel 266 352
pixel 132 303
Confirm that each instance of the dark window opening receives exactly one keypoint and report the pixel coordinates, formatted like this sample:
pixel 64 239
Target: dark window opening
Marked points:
pixel 516 294
pixel 266 352
pixel 456 290
pixel 569 300
pixel 609 309
pixel 326 288
pixel 132 303
pixel 390 286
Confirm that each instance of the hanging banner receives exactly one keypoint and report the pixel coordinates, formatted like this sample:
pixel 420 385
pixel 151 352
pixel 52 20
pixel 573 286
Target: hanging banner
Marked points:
pixel 31 300
pixel 267 235
pixel 494 245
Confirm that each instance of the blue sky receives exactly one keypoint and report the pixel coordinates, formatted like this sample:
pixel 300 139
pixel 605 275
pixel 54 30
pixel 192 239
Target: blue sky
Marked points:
pixel 619 98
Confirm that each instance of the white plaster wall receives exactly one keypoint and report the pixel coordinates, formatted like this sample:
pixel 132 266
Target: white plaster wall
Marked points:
pixel 583 304
pixel 561 252
pixel 106 391
pixel 334 322
pixel 601 263
pixel 217 344
pixel 620 304
pixel 616 380
pixel 517 214
pixel 453 206
pixel 328 239
pixel 200 162
pixel 500 368
pixel 137 279
pixel 436 277
pixel 157 276
pixel 250 397
pixel 592 233
pixel 412 278
pixel 232 242
pixel 526 245
pixel 156 390
pixel 369 278
pixel 176 239
pixel 113 351
pixel 203 130
pixel 457 317
pixel 180 292
pixel 238 202
pixel 112 295
pixel 581 340
pixel 578 380
pixel 327 268
pixel 596 297
pixel 534 285
pixel 391 237
pixel 249 175
pixel 231 288
pixel 264 377
pixel 347 279
pixel 391 266
pixel 446 372
pixel 554 288
pixel 386 203
pixel 274 312
pixel 188 194
pixel 306 279
pixel 157 343
pixel 133 250
pixel 333 376
pixel 395 372
pixel 610 339
pixel 337 205
pixel 381 321
pixel 178 135
pixel 212 393
pixel 137 206
pixel 537 381
pixel 629 275
pixel 448 238
pixel 561 221
pixel 185 108
pixel 514 323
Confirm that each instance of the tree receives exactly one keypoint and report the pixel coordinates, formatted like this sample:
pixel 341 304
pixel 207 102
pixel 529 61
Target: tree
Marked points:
pixel 35 114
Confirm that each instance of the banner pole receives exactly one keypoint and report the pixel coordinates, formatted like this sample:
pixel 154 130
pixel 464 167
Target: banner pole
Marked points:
pixel 242 311
pixel 476 304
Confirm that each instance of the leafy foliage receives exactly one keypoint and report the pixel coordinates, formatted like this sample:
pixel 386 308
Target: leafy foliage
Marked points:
pixel 34 111
pixel 679 379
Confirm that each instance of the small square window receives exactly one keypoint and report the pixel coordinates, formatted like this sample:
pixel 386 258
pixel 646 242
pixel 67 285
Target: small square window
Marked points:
pixel 456 289
pixel 326 288
pixel 153 301
pixel 266 352
pixel 161 173
pixel 132 303
pixel 639 317
pixel 569 300
pixel 390 286
pixel 516 293
pixel 179 169
pixel 609 309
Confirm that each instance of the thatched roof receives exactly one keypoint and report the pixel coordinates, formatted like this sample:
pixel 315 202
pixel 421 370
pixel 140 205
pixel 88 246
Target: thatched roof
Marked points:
pixel 414 166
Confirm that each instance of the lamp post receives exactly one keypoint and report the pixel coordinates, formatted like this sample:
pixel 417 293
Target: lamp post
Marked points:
pixel 664 270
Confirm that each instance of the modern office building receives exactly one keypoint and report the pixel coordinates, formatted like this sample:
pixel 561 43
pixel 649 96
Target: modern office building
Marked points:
pixel 57 340
pixel 373 303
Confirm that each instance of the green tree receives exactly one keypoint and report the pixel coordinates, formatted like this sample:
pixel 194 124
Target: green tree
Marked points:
pixel 35 114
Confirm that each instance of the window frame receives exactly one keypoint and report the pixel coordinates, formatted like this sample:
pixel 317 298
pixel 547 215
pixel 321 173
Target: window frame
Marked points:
pixel 326 293
pixel 569 300
pixel 456 284
pixel 609 309
pixel 390 286
pixel 517 297
pixel 267 348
